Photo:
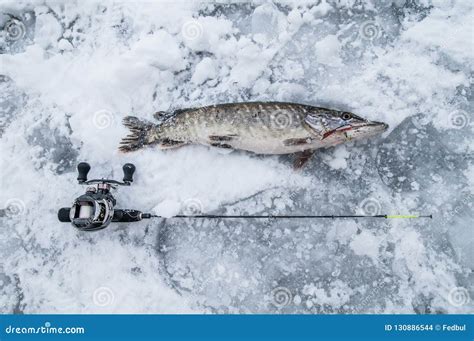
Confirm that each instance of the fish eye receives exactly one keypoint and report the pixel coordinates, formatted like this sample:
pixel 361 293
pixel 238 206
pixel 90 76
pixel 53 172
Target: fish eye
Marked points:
pixel 346 116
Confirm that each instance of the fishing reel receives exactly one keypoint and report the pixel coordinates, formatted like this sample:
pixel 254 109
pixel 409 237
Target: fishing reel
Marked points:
pixel 95 209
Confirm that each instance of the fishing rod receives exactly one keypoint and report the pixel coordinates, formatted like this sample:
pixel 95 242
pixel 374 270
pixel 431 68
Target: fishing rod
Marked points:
pixel 95 209
pixel 276 216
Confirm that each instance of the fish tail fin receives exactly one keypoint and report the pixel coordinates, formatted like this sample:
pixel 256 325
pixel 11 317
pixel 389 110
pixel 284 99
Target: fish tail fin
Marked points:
pixel 139 136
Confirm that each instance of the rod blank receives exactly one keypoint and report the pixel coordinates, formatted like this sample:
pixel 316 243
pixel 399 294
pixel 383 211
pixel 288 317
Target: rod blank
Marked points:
pixel 212 216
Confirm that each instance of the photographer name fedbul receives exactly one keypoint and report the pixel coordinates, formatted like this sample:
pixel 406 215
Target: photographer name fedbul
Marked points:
pixel 426 327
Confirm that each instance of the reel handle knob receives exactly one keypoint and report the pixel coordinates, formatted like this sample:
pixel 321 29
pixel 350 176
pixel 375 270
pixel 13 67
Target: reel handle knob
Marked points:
pixel 128 170
pixel 83 169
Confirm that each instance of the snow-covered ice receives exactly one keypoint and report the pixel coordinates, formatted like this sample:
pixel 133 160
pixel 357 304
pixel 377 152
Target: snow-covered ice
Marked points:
pixel 69 72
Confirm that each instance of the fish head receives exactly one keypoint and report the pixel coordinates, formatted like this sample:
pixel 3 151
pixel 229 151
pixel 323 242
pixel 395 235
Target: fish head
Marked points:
pixel 335 126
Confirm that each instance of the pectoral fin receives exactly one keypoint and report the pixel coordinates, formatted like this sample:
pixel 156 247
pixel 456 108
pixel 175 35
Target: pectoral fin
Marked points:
pixel 298 141
pixel 302 158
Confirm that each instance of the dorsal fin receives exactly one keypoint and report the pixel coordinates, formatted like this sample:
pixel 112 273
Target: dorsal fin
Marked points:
pixel 161 115
pixel 165 115
pixel 180 111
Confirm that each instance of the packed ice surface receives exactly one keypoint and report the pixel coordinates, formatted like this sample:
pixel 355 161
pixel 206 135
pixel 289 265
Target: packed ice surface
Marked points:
pixel 71 72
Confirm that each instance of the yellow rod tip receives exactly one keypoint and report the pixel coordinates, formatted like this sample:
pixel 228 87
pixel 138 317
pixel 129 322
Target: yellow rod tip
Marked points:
pixel 402 216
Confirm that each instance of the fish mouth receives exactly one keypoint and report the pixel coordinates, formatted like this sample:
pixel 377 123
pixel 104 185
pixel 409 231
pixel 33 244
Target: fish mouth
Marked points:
pixel 380 125
pixel 373 127
pixel 367 128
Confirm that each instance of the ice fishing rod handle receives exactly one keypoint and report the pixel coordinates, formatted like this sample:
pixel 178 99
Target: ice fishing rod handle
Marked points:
pixel 126 216
pixel 128 170
pixel 83 169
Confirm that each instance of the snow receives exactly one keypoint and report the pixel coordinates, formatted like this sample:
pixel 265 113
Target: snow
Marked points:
pixel 366 244
pixel 327 51
pixel 48 31
pixel 337 295
pixel 72 72
pixel 452 37
pixel 205 69
pixel 159 49
pixel 338 159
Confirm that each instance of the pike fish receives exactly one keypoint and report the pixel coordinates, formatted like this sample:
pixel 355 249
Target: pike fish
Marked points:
pixel 258 127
